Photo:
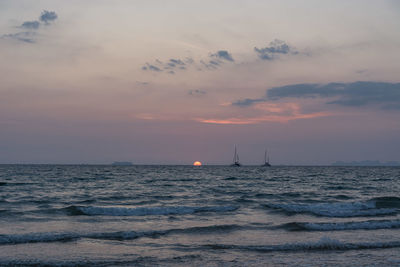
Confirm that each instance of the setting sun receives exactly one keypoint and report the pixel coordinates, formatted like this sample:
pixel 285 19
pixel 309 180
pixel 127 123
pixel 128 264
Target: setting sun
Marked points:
pixel 197 163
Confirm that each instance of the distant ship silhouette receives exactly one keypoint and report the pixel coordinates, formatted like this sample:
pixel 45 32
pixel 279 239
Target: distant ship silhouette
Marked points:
pixel 122 163
pixel 236 162
pixel 266 160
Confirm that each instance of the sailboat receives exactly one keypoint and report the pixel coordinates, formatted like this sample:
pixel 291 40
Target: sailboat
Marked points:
pixel 266 160
pixel 236 159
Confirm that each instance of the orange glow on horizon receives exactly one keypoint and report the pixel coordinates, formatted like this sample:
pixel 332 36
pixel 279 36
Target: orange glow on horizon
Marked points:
pixel 197 163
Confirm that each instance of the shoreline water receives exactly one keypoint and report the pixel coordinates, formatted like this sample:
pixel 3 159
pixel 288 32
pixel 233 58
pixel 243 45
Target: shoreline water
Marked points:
pixel 105 215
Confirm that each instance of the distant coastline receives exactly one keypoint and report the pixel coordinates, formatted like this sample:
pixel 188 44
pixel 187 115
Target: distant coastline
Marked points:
pixel 366 163
pixel 371 163
pixel 122 163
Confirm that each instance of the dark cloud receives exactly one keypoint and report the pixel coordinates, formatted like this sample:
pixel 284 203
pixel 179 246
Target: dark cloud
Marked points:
pixel 247 101
pixel 151 67
pixel 189 60
pixel 216 60
pixel 210 65
pixel 384 95
pixel 275 48
pixel 26 37
pixel 392 106
pixel 142 83
pixel 48 16
pixel 304 90
pixel 362 71
pixel 213 62
pixel 346 94
pixel 387 95
pixel 223 54
pixel 197 92
pixel 31 25
pixel 173 65
pixel 176 61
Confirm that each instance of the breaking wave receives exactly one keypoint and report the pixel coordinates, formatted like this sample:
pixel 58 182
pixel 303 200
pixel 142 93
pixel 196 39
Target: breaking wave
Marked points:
pixel 143 211
pixel 373 207
pixel 47 237
pixel 36 238
pixel 338 226
pixel 386 202
pixel 131 260
pixel 324 243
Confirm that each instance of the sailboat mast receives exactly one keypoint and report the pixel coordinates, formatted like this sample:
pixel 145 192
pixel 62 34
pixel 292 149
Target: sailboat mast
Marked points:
pixel 265 156
pixel 236 159
pixel 266 159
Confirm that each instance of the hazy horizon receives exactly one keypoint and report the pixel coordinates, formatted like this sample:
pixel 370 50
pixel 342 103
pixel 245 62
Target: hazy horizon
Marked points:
pixel 364 163
pixel 173 82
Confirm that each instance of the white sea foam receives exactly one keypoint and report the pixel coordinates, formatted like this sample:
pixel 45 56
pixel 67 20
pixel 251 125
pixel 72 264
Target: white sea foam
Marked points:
pixel 143 211
pixel 338 209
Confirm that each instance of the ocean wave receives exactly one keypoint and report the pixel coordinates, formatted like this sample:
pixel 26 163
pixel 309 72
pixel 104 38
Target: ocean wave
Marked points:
pixel 264 195
pixel 36 238
pixel 386 202
pixel 339 187
pixel 338 226
pixel 207 229
pixel 231 178
pixel 324 243
pixel 143 211
pixel 342 197
pixel 15 183
pixel 47 237
pixel 373 207
pixel 244 199
pixel 131 260
pixel 70 236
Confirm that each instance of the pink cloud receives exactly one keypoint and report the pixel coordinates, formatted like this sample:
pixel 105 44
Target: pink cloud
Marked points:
pixel 272 112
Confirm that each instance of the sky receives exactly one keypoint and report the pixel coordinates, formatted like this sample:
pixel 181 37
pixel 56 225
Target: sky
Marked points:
pixel 172 82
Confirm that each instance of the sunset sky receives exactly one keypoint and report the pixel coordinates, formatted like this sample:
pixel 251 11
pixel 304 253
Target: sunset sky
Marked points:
pixel 172 82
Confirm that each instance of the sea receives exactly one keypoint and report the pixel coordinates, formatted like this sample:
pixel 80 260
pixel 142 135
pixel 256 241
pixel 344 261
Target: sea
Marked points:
pixel 103 215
